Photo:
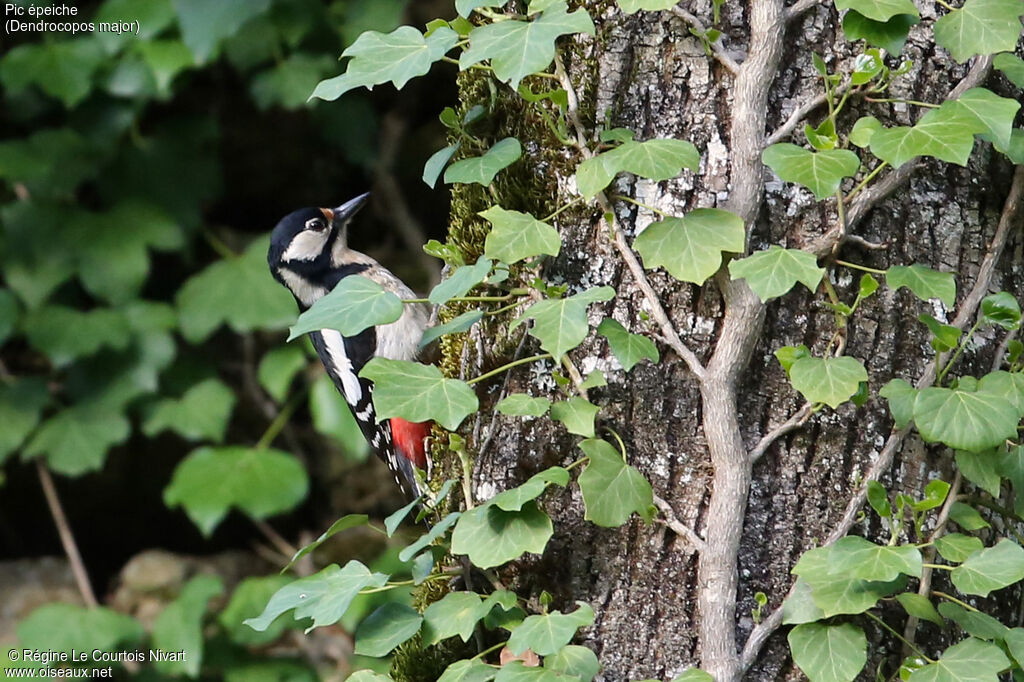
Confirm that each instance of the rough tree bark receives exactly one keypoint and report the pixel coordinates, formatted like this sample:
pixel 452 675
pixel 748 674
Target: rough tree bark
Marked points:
pixel 696 423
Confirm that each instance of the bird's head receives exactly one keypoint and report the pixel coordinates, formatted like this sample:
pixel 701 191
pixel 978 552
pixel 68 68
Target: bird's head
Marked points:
pixel 307 244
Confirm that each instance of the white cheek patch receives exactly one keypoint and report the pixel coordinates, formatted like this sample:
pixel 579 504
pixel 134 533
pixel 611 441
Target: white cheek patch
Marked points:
pixel 304 290
pixel 306 245
pixel 349 381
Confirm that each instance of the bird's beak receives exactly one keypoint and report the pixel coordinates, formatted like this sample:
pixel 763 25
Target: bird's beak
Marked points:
pixel 350 208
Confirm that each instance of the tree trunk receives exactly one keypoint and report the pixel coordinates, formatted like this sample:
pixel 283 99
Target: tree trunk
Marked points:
pixel 661 605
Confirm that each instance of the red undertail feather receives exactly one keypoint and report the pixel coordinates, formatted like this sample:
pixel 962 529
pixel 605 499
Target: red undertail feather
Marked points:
pixel 409 440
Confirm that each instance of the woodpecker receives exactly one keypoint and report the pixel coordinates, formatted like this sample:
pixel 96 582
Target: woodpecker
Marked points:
pixel 309 255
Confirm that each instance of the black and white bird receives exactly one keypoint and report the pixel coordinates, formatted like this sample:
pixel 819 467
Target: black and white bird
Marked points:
pixel 309 255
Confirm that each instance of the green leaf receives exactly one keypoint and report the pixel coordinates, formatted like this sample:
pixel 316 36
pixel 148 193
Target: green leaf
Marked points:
pixel 76 439
pixel 1011 465
pixel 773 272
pixel 990 569
pixel 879 10
pixel 944 336
pixel 654 159
pixel 202 413
pixel 934 495
pixel 165 59
pixel 634 6
pixel 454 326
pixel 691 248
pixel 974 623
pixel 8 313
pixel 1000 309
pixel 827 380
pixel 956 547
pixel 576 661
pixel 561 323
pixel 323 596
pixel 576 414
pixel 799 606
pixel 365 675
pixel 1009 386
pixel 1012 67
pixel 833 591
pixel 972 660
pixel 436 531
pixel 355 304
pixel 460 281
pixel 259 482
pixel 513 499
pixel 491 536
pixel 945 133
pixel 522 405
pixel 333 417
pixel 967 517
pixel 179 625
pixel 288 83
pixel 239 292
pixel 863 130
pixel 546 634
pixel 878 498
pixel 964 420
pixel 468 670
pixel 594 380
pixel 923 282
pixel 465 7
pixel 889 35
pixel 377 58
pixel 981 469
pixel 62 69
pixel 518 48
pixel 418 393
pixel 278 368
pixel 694 674
pixel 829 653
pixel 612 489
pixel 247 601
pixel 629 349
pixel 204 24
pixel 344 523
pixel 65 334
pixel 457 613
pixel 436 163
pixel 384 629
pixel 394 520
pixel 787 355
pixel 821 172
pixel 992 113
pixel 980 27
pixel 862 559
pixel 919 607
pixel 68 627
pixel 21 405
pixel 1014 639
pixel 482 169
pixel 515 236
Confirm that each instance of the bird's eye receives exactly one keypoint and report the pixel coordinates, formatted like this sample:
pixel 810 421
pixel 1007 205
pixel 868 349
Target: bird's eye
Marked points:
pixel 317 224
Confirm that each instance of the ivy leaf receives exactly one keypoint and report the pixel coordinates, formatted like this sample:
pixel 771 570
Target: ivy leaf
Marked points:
pixel 418 393
pixel 834 592
pixel 821 172
pixel 436 163
pixel 546 634
pixel 576 414
pixel 68 627
pixel 204 25
pixel 945 133
pixel 944 336
pixel 980 27
pixel 920 607
pixel 694 674
pixel 799 606
pixel 964 420
pixel 865 560
pixel 8 313
pixel 76 439
pixel 513 499
pixel 990 569
pixel 629 349
pixel 972 660
pixel 465 7
pixel 967 517
pixel 981 469
pixel 634 6
pixel 829 653
pixel 277 369
pixel 202 413
pixel 468 670
pixel 482 169
pixel 323 596
pixel 491 536
pixel 518 48
pixel 377 58
pixel 522 405
pixel 62 69
pixel 1000 309
pixel 237 291
pixel 344 523
pixel 992 113
pixel 179 625
pixel 384 629
pixel 827 380
pixel 956 547
pixel 65 334
pixel 429 537
pixel 333 417
pixel 247 600
pixel 923 282
pixel 863 129
pixel 561 323
pixel 1011 465
pixel 355 304
pixel 654 159
pixel 612 489
pixel 889 35
pixel 21 404
pixel 773 272
pixel 691 248
pixel 260 482
pixel 457 613
pixel 879 10
pixel 515 236
pixel 454 326
pixel 974 623
pixel 1012 67
pixel 461 280
pixel 576 661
